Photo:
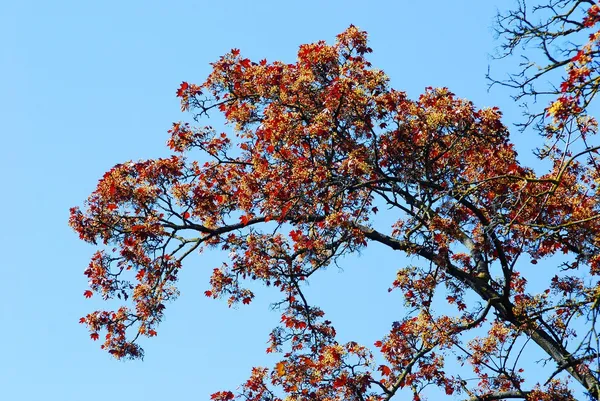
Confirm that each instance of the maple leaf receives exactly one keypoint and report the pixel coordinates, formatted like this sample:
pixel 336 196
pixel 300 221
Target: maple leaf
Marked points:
pixel 222 396
pixel 320 146
pixel 280 369
pixel 340 382
pixel 245 63
pixel 181 91
pixel 385 370
pixel 88 293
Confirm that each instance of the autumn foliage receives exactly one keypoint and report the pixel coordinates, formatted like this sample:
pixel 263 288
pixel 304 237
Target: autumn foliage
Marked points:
pixel 316 148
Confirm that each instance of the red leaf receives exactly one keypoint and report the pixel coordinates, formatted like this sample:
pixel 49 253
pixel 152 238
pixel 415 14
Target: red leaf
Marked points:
pixel 94 336
pixel 449 390
pixel 222 396
pixel 245 63
pixel 513 168
pixel 151 333
pixel 340 382
pixel 385 370
pixel 181 91
pixel 88 294
pixel 295 235
pixel 186 215
pixel 111 206
pixel 208 293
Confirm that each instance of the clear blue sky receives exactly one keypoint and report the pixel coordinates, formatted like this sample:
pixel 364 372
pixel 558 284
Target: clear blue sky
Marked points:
pixel 88 84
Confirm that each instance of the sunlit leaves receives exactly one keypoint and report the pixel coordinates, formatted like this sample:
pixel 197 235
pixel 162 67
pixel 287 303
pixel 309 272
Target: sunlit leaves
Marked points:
pixel 313 150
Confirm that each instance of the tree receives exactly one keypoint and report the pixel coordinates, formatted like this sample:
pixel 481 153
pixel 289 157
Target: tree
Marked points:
pixel 565 34
pixel 318 146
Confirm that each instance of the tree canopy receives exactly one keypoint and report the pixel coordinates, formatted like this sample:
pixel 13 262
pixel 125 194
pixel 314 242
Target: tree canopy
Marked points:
pixel 318 146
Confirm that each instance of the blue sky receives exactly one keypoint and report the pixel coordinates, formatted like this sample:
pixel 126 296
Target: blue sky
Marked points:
pixel 86 85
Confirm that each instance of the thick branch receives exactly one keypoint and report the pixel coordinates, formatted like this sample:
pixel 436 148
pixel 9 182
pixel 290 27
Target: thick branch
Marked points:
pixel 501 396
pixel 504 308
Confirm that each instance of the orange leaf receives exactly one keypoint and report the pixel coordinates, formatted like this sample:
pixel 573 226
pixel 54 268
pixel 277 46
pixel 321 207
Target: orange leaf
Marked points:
pixel 245 219
pixel 280 369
